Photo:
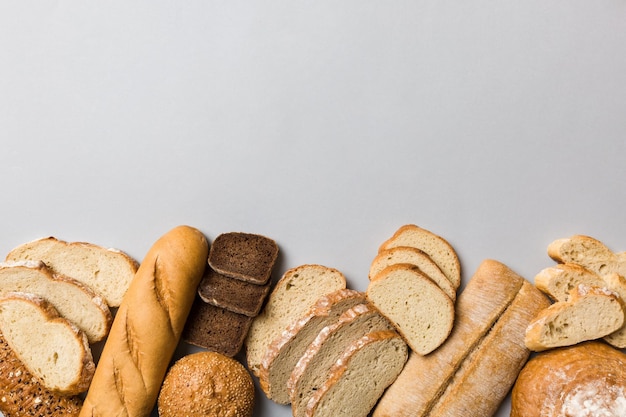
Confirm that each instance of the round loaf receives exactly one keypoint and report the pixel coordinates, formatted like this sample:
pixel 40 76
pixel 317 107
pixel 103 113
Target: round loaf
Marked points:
pixel 588 379
pixel 207 384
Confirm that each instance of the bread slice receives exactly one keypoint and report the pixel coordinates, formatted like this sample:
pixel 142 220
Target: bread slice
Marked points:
pixel 72 299
pixel 284 352
pixel 480 306
pixel 588 252
pixel 559 280
pixel 413 256
pixel 293 295
pixel 435 246
pixel 591 313
pixel 617 284
pixel 51 348
pixel 106 271
pixel 312 370
pixel 22 395
pixel 421 312
pixel 245 256
pixel 358 379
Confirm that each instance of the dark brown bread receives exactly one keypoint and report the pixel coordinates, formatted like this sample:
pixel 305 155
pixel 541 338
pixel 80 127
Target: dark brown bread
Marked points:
pixel 245 256
pixel 22 395
pixel 232 294
pixel 216 329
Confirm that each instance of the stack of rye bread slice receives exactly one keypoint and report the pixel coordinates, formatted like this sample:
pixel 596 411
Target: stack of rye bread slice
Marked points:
pixel 55 303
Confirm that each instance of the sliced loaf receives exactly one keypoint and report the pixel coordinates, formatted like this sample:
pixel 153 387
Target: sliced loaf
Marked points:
pixel 72 299
pixel 617 284
pixel 559 280
pixel 284 352
pixel 360 376
pixel 51 348
pixel 591 313
pixel 106 271
pixel 421 312
pixel 409 255
pixel 313 368
pixel 439 249
pixel 293 295
pixel 588 252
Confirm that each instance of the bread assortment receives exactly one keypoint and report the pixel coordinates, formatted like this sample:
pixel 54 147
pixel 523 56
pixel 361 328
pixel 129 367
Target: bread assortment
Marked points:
pixel 407 346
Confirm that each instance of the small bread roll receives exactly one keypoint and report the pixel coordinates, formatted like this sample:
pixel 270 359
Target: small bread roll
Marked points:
pixel 207 384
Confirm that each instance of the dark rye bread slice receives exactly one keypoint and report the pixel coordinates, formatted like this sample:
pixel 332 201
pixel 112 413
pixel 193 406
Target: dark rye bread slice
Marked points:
pixel 245 256
pixel 284 352
pixel 232 294
pixel 313 368
pixel 215 328
pixel 22 395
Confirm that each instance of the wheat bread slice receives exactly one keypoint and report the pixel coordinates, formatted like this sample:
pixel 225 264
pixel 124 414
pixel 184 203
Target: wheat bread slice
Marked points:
pixel 588 252
pixel 292 296
pixel 284 352
pixel 438 248
pixel 107 271
pixel 50 347
pixel 489 292
pixel 413 256
pixel 591 313
pixel 559 280
pixel 360 376
pixel 72 299
pixel 420 311
pixel 617 284
pixel 312 369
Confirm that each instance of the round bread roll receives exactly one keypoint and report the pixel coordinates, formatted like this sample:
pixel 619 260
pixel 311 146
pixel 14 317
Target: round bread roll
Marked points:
pixel 206 384
pixel 584 380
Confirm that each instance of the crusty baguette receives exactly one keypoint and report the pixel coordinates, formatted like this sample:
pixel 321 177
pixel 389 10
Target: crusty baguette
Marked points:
pixel 559 280
pixel 588 252
pixel 617 284
pixel 147 327
pixel 480 305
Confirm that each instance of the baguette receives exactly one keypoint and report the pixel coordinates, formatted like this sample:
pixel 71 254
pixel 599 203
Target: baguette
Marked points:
pixel 147 327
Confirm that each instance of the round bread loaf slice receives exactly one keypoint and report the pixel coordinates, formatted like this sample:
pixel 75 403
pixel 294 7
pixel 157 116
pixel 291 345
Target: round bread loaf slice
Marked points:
pixel 105 270
pixel 51 348
pixel 285 351
pixel 588 379
pixel 559 280
pixel 206 384
pixel 591 313
pixel 413 256
pixel 72 299
pixel 588 252
pixel 360 376
pixel 312 369
pixel 294 294
pixel 439 250
pixel 421 312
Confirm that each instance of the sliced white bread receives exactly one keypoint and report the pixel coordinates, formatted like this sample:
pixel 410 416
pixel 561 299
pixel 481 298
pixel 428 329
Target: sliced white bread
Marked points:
pixel 439 249
pixel 312 370
pixel 588 252
pixel 284 352
pixel 421 312
pixel 413 256
pixel 559 280
pixel 106 271
pixel 51 348
pixel 617 284
pixel 72 299
pixel 591 313
pixel 294 294
pixel 360 376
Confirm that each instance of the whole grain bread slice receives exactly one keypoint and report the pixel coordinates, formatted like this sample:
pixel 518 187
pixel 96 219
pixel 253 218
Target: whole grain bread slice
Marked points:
pixel 292 296
pixel 360 376
pixel 438 248
pixel 105 270
pixel 284 352
pixel 51 348
pixel 72 299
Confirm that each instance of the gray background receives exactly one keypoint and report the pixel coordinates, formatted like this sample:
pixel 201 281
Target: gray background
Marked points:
pixel 324 125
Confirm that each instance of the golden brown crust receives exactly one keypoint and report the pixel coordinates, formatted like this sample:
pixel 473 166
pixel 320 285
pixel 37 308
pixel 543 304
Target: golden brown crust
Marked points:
pixel 147 326
pixel 571 381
